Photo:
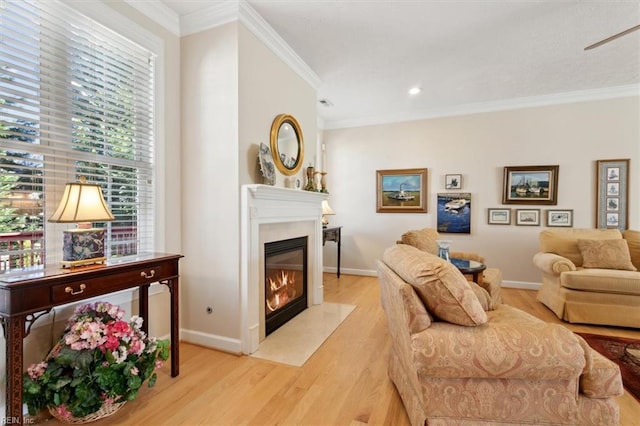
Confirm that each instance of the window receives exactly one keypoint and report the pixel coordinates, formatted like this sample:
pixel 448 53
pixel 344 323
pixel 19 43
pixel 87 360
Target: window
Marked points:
pixel 76 99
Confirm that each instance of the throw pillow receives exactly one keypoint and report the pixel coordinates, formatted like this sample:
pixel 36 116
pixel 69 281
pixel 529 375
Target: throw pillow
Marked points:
pixel 423 239
pixel 633 240
pixel 605 254
pixel 443 289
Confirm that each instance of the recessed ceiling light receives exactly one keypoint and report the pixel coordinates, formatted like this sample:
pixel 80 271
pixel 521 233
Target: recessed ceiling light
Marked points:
pixel 415 90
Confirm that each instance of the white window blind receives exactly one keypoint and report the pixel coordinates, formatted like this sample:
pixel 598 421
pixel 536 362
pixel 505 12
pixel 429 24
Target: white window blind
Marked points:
pixel 76 99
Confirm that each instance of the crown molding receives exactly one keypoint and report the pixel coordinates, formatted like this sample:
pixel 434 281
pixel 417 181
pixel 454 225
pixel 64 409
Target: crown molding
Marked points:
pixel 263 31
pixel 210 17
pixel 228 11
pixel 159 13
pixel 482 107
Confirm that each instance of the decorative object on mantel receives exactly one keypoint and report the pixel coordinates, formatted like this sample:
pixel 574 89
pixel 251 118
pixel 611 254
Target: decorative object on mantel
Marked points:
pixel 326 211
pixel 311 185
pixel 322 184
pixel 82 203
pixel 287 144
pixel 267 168
pixel 100 363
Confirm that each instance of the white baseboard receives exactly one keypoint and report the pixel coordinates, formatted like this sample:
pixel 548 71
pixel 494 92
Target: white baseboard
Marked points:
pixel 350 271
pixel 521 284
pixel 221 343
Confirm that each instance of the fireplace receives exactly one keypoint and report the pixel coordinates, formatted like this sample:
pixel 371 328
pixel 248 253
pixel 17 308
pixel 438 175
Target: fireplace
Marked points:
pixel 270 213
pixel 285 283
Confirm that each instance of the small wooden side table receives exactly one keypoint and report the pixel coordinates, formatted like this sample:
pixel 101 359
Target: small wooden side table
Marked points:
pixel 333 234
pixel 27 294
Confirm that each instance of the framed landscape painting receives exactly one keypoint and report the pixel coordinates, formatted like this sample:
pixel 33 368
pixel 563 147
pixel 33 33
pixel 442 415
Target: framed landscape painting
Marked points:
pixel 401 191
pixel 530 185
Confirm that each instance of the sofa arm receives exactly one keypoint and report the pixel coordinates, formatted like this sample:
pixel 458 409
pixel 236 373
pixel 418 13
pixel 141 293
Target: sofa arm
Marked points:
pixel 498 350
pixel 468 256
pixel 553 263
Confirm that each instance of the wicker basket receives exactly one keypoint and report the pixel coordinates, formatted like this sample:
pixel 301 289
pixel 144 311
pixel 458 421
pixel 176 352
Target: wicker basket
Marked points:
pixel 105 411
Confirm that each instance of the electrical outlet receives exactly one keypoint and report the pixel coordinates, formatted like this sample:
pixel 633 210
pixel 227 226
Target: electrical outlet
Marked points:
pixel 209 310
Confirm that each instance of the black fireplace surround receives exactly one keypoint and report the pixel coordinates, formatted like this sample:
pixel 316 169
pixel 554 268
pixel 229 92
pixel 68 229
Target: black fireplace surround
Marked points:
pixel 285 281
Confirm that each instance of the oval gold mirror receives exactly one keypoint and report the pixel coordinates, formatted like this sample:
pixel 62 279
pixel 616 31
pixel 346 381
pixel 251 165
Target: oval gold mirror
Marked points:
pixel 287 145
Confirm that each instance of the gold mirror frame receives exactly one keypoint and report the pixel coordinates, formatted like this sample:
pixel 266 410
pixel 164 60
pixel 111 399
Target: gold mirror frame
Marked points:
pixel 279 124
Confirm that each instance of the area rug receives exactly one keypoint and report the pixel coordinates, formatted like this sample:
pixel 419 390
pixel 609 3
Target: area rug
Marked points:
pixel 624 352
pixel 298 339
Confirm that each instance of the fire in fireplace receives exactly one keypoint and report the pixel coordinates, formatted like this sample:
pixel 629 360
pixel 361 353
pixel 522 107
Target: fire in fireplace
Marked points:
pixel 285 286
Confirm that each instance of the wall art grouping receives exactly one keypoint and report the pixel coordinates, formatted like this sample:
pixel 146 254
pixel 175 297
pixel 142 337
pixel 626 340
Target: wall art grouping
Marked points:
pixel 531 217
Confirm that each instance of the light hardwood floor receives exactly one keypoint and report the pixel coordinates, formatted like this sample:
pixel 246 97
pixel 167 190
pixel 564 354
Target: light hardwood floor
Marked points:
pixel 344 383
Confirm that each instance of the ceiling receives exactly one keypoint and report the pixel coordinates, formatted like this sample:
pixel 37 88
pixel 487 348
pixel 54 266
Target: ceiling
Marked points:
pixel 466 56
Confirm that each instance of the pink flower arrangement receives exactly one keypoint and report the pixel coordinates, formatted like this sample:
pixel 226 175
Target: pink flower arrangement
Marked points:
pixel 100 359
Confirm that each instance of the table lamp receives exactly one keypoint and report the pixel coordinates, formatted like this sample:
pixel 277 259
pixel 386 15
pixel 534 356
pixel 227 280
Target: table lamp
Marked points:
pixel 326 210
pixel 82 203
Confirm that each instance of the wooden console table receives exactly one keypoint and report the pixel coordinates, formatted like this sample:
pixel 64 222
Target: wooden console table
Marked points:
pixel 27 294
pixel 333 234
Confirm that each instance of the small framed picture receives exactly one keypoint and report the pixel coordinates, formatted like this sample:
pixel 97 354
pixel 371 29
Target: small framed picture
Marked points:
pixel 499 217
pixel 453 181
pixel 528 217
pixel 560 218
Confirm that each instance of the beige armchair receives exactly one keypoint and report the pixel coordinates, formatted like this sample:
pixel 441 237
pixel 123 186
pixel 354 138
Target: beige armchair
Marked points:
pixel 591 276
pixel 454 363
pixel 425 240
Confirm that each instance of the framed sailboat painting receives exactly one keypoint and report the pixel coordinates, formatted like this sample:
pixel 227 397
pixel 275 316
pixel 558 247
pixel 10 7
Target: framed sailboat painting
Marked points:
pixel 530 185
pixel 401 191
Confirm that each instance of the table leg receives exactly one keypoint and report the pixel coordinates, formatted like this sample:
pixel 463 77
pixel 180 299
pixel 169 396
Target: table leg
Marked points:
pixel 339 244
pixel 175 328
pixel 143 306
pixel 14 333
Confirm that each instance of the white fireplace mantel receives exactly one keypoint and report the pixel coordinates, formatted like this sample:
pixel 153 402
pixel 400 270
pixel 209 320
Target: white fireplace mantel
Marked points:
pixel 262 205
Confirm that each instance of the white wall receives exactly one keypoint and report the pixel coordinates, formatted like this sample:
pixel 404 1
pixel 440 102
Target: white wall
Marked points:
pixel 478 146
pixel 233 87
pixel 210 199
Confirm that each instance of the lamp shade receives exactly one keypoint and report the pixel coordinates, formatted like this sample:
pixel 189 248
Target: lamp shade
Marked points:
pixel 82 202
pixel 326 208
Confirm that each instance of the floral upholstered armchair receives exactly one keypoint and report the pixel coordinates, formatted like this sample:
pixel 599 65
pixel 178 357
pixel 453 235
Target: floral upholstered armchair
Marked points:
pixel 455 363
pixel 425 240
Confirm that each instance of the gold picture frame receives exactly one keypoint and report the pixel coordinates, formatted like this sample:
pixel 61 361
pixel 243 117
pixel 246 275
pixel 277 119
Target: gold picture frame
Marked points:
pixel 401 191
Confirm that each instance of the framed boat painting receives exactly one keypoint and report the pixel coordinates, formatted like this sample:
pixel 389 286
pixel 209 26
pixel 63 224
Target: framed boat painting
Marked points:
pixel 530 185
pixel 401 191
pixel 454 213
pixel 612 205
